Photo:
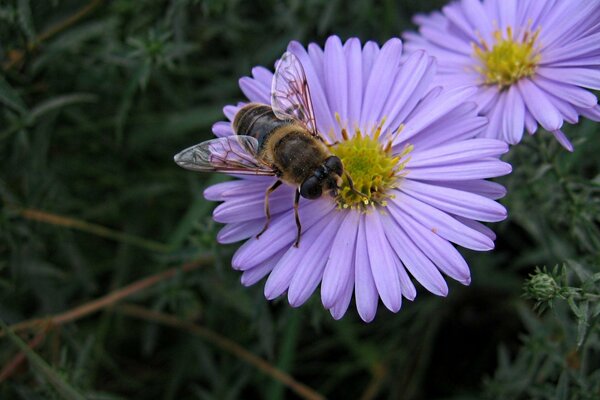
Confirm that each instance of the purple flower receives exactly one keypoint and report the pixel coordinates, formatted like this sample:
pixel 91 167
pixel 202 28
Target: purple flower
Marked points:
pixel 409 146
pixel 529 60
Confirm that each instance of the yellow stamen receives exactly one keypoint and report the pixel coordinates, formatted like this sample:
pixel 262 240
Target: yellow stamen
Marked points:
pixel 509 59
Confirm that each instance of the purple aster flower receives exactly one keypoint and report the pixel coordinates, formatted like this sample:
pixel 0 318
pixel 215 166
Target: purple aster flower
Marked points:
pixel 529 60
pixel 410 147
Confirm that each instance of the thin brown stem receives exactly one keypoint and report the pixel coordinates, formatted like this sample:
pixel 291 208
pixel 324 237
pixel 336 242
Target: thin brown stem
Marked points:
pixel 107 300
pixel 11 367
pixel 53 30
pixel 224 344
pixel 94 229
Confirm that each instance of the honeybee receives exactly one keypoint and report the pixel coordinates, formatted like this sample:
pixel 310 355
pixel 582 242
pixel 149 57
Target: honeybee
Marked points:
pixel 279 140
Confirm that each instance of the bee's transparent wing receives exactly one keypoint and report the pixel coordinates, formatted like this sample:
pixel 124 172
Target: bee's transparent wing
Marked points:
pixel 236 154
pixel 290 95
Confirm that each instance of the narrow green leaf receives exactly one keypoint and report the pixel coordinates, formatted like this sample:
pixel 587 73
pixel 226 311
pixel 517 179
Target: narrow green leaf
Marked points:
pixel 25 19
pixel 59 102
pixel 38 363
pixel 10 97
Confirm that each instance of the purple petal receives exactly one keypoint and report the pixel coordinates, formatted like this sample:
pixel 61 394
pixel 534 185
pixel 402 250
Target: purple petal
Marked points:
pixel 281 234
pixel 440 223
pixel 438 249
pixel 232 233
pixel 222 129
pixel 484 168
pixel 340 307
pixel 563 140
pixel 414 259
pixel 585 77
pixel 383 266
pixel 380 82
pixel 336 77
pixel 309 270
pixel 255 91
pixel 513 120
pixel 253 275
pixel 481 187
pixel 340 265
pixel 353 54
pixel 365 289
pixel 454 201
pixel 458 152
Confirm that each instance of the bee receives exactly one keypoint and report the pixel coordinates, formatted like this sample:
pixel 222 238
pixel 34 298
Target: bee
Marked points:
pixel 279 140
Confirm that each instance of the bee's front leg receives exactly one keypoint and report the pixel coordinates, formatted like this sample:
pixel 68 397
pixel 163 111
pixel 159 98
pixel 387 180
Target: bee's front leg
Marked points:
pixel 267 212
pixel 297 216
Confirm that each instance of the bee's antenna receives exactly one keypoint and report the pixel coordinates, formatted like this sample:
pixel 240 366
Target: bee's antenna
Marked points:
pixel 353 189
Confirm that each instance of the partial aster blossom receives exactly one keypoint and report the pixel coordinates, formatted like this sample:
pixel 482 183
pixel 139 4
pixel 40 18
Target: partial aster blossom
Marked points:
pixel 409 146
pixel 530 60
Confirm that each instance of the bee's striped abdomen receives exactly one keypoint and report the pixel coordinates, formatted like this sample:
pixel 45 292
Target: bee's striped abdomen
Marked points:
pixel 258 121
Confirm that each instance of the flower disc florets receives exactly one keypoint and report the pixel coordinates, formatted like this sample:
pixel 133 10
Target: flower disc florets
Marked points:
pixel 509 59
pixel 371 165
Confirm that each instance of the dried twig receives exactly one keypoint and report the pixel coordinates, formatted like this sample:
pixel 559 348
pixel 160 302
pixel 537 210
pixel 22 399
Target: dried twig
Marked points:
pixel 223 343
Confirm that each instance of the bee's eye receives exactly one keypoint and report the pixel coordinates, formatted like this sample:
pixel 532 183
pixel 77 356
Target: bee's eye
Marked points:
pixel 311 188
pixel 334 164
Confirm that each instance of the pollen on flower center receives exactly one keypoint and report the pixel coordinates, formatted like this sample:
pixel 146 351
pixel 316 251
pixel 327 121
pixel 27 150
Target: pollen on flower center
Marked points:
pixel 509 59
pixel 371 165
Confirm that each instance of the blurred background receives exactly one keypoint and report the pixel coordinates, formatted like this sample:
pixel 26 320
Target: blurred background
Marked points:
pixel 100 229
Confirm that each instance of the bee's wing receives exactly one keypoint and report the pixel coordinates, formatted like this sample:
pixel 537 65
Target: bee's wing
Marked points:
pixel 236 154
pixel 290 95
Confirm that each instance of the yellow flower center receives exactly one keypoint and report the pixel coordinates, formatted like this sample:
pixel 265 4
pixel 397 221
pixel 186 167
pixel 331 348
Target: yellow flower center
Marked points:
pixel 509 59
pixel 371 165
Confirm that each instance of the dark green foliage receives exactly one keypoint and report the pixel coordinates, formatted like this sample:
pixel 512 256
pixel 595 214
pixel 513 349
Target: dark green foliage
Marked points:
pixel 90 118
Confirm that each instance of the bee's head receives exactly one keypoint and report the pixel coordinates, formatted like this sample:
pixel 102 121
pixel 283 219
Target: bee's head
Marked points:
pixel 328 176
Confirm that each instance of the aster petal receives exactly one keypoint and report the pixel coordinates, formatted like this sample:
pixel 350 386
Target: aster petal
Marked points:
pixel 380 82
pixel 365 290
pixel 235 232
pixel 383 266
pixel 425 116
pixel 230 112
pixel 461 124
pixel 584 47
pixel 340 265
pixel 481 187
pixel 507 10
pixel 414 77
pixel 281 234
pixel 458 152
pixel 592 113
pixel 513 119
pixel 456 202
pixel 445 257
pixel 419 266
pixel 253 275
pixel 249 207
pixel 264 76
pixel 409 291
pixel 478 226
pixel 440 223
pixel 317 56
pixel 336 77
pixel 222 129
pixel 584 77
pixel 464 171
pixel 255 91
pixel 540 107
pixel 369 54
pixel 575 95
pixel 341 305
pixel 563 140
pixel 353 55
pixel 477 17
pixel 310 270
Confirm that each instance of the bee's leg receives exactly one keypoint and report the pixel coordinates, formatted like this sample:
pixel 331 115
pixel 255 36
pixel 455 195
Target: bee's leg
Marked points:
pixel 352 189
pixel 267 212
pixel 297 216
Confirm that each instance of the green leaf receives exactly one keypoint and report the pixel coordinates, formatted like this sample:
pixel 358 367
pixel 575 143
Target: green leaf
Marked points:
pixel 10 97
pixel 25 19
pixel 60 102
pixel 38 363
